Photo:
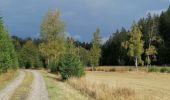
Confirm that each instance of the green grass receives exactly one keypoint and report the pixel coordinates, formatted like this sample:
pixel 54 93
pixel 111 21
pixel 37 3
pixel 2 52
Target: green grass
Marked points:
pixel 159 69
pixel 58 90
pixel 165 70
pixel 22 91
pixel 6 78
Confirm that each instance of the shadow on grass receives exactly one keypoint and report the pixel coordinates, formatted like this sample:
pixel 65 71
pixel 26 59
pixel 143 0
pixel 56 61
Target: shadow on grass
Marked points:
pixel 54 77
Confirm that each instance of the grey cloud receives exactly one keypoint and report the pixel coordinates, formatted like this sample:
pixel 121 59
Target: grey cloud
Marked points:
pixel 82 17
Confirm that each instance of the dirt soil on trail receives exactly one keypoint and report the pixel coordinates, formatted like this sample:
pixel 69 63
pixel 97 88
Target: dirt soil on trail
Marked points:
pixel 7 92
pixel 38 91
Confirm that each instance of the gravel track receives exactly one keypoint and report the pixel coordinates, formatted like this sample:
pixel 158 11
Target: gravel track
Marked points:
pixel 7 92
pixel 39 90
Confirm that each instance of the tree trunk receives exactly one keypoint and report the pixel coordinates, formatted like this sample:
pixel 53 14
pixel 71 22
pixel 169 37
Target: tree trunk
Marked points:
pixel 136 62
pixel 147 67
pixel 92 68
pixel 48 62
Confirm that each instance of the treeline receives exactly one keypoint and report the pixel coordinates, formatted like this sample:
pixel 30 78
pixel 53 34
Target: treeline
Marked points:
pixel 55 51
pixel 148 42
pixel 155 31
pixel 28 52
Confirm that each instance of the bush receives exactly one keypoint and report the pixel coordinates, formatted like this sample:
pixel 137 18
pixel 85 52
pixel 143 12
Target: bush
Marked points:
pixel 70 66
pixel 153 69
pixel 112 70
pixel 168 71
pixel 130 69
pixel 99 69
pixel 164 70
pixel 53 67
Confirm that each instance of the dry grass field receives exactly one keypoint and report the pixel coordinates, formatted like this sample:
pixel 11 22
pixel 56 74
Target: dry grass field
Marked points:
pixel 7 77
pixel 121 84
pixel 58 90
pixel 100 91
pixel 147 86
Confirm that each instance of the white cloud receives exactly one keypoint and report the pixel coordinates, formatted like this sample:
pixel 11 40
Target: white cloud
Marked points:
pixel 67 34
pixel 77 37
pixel 104 39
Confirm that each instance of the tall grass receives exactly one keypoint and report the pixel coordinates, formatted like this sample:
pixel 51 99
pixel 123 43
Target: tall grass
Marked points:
pixel 159 69
pixel 153 69
pixel 115 68
pixel 59 90
pixel 5 78
pixel 100 91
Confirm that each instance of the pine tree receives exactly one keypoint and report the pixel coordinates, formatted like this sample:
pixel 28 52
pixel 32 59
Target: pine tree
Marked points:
pixel 135 45
pixel 95 51
pixel 8 57
pixel 112 51
pixel 29 56
pixel 164 31
pixel 149 28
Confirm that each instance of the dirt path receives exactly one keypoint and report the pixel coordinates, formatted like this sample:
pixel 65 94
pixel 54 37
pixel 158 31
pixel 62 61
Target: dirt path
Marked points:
pixel 6 93
pixel 39 91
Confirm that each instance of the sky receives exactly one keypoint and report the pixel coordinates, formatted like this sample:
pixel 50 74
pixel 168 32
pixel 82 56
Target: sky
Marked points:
pixel 23 17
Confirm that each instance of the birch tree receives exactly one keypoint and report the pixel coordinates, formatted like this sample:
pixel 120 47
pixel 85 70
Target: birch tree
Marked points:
pixel 95 51
pixel 135 45
pixel 52 33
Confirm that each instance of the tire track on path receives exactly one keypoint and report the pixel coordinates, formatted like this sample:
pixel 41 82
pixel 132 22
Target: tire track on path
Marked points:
pixel 7 92
pixel 39 90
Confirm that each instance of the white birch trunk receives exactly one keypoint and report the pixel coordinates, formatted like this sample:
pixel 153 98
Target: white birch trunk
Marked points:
pixel 136 62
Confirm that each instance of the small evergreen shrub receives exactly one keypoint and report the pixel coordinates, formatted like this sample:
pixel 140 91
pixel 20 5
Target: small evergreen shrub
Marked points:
pixel 70 66
pixel 54 67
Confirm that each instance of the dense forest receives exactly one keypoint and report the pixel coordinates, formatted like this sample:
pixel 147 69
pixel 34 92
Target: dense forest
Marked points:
pixel 155 34
pixel 45 51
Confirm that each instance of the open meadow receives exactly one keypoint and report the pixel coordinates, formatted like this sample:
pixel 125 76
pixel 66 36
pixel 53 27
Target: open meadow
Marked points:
pixel 146 85
pixel 120 84
pixel 139 85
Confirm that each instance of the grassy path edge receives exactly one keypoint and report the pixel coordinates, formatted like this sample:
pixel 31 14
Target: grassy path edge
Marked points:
pixel 59 90
pixel 7 78
pixel 24 88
